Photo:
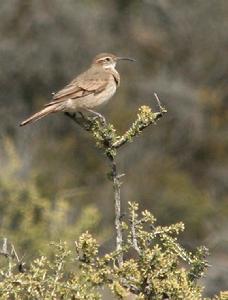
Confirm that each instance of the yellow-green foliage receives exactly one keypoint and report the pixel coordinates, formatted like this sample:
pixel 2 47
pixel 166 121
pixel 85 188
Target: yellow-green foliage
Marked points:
pixel 106 137
pixel 30 219
pixel 155 266
pixel 223 296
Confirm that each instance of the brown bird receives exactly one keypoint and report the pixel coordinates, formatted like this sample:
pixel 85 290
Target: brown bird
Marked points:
pixel 87 91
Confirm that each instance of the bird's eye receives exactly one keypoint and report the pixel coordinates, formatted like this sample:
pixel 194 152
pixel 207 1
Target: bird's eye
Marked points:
pixel 108 59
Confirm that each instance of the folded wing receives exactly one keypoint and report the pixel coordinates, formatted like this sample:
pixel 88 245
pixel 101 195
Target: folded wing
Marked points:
pixel 90 82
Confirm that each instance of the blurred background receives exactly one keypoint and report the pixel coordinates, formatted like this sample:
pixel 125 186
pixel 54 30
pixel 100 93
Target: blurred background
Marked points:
pixel 53 182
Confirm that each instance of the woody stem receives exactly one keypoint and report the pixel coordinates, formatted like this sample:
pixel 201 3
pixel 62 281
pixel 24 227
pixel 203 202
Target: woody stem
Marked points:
pixel 117 201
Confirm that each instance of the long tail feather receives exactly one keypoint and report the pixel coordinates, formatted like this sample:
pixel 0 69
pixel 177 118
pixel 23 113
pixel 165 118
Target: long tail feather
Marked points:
pixel 39 115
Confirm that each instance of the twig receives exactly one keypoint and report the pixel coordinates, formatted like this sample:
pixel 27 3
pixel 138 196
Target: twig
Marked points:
pixel 133 233
pixel 11 255
pixel 4 250
pixel 85 122
pixel 156 116
pixel 161 108
pixel 116 188
pixel 107 139
pixel 57 276
pixel 132 288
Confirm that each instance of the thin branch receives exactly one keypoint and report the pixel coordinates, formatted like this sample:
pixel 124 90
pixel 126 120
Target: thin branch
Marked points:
pixel 4 250
pixel 132 288
pixel 116 188
pixel 11 255
pixel 107 139
pixel 57 277
pixel 161 108
pixel 141 126
pixel 133 233
pixel 81 120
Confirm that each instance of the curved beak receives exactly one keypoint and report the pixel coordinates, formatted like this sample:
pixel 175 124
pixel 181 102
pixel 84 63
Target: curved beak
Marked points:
pixel 125 58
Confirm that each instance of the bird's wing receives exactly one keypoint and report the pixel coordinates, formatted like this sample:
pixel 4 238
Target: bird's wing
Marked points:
pixel 92 81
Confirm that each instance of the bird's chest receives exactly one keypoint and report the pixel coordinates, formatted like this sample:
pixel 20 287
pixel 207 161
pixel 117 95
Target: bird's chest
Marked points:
pixel 99 98
pixel 94 99
pixel 106 94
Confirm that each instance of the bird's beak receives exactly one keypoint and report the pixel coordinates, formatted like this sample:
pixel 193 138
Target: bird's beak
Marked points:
pixel 125 58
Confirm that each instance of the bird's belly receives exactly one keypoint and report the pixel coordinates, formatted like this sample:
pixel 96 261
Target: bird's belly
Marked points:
pixel 92 100
pixel 105 95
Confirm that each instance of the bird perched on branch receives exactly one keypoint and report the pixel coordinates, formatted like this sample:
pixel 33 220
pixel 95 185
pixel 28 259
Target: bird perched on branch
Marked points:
pixel 90 89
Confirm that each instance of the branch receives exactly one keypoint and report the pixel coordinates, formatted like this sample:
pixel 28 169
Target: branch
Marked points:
pixel 105 134
pixel 11 254
pixel 85 122
pixel 144 119
pixel 107 140
pixel 116 187
pixel 133 230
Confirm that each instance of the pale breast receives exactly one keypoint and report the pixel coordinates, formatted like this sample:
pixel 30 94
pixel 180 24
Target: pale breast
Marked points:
pixel 92 100
pixel 105 95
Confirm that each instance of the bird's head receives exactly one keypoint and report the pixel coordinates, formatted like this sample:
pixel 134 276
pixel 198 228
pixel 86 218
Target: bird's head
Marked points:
pixel 108 60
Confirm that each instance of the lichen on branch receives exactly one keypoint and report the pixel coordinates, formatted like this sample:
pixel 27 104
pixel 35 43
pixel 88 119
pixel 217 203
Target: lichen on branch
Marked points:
pixel 105 135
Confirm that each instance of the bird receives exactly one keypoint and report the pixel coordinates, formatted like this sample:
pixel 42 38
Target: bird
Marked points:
pixel 90 89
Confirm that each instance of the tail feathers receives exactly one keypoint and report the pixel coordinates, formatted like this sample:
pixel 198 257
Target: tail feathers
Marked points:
pixel 39 115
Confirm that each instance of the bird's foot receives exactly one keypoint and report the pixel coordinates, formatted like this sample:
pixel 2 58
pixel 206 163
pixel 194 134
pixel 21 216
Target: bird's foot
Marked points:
pixel 98 115
pixel 103 120
pixel 81 115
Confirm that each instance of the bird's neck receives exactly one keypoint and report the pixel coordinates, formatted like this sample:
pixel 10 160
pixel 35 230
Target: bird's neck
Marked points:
pixel 111 70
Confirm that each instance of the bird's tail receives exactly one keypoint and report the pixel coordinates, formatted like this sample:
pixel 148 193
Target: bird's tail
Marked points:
pixel 43 113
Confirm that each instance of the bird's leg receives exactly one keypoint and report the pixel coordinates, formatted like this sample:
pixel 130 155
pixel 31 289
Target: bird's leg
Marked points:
pixel 71 115
pixel 81 114
pixel 97 114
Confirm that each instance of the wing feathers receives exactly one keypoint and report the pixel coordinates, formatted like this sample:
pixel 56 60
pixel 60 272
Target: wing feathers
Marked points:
pixel 92 81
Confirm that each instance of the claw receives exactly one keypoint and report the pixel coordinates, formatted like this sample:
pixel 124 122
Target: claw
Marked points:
pixel 98 115
pixel 81 115
pixel 103 120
